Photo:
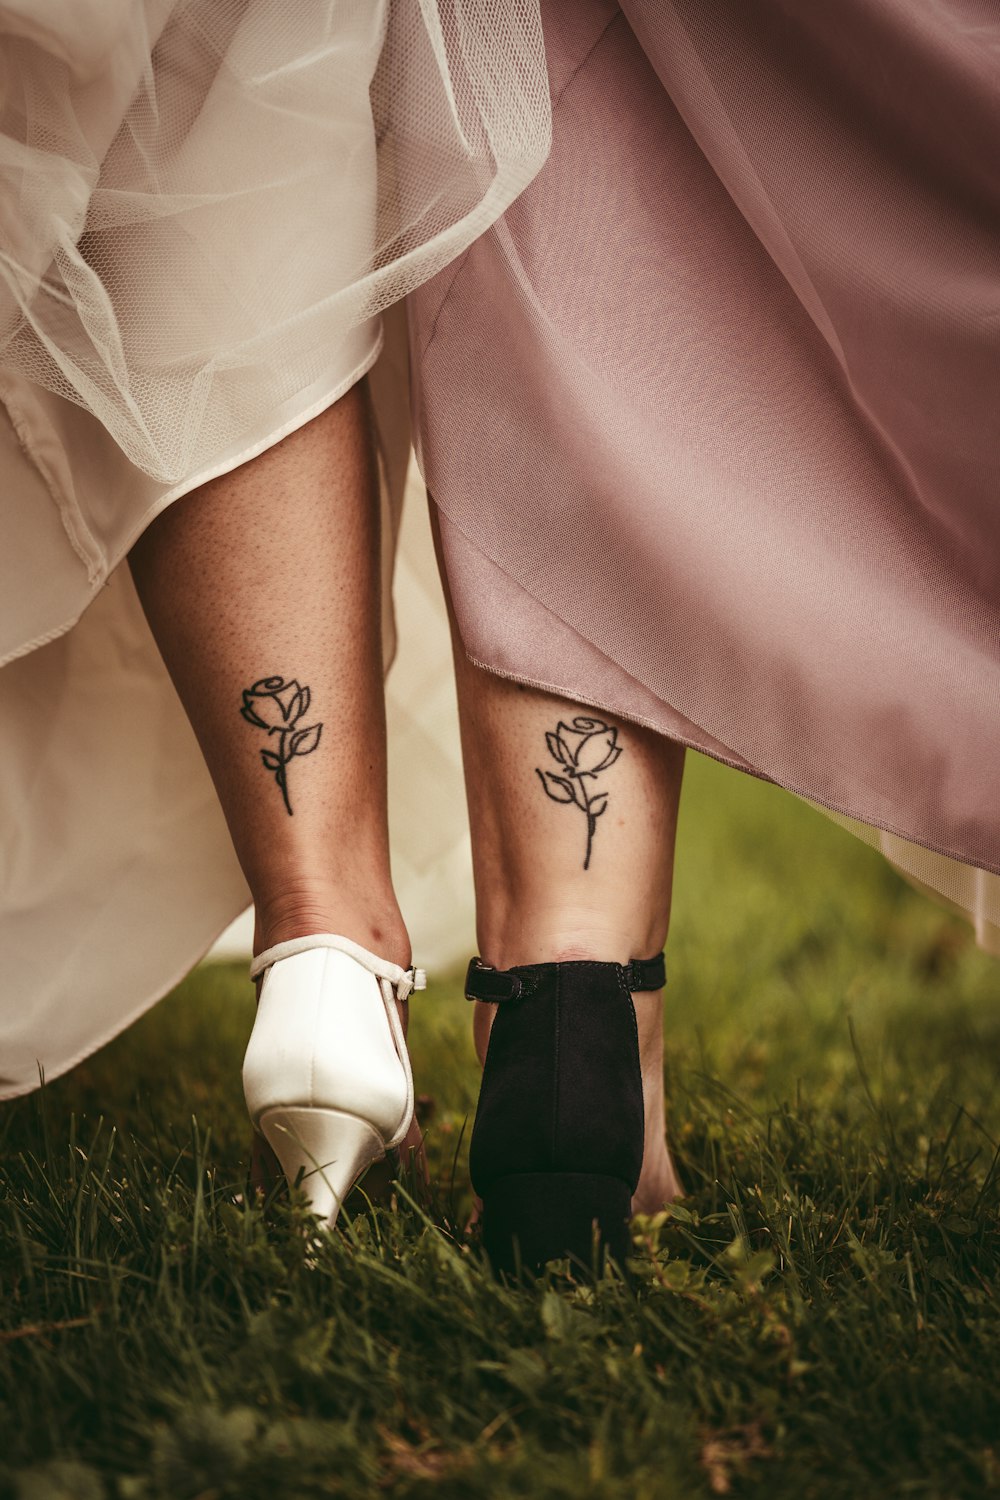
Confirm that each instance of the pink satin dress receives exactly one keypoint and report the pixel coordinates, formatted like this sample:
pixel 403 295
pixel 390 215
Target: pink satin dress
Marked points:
pixel 710 416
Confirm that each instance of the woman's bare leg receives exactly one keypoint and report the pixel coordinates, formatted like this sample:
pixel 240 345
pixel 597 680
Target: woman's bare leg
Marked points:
pixel 272 572
pixel 556 881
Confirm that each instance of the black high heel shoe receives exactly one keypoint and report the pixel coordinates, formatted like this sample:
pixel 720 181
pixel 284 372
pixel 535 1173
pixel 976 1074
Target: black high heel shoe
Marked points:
pixel 557 1142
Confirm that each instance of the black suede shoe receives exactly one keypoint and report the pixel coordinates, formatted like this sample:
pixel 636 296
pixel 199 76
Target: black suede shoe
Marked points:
pixel 557 1144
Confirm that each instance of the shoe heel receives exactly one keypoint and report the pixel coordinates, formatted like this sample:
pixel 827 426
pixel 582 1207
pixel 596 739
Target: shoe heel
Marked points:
pixel 532 1217
pixel 330 1149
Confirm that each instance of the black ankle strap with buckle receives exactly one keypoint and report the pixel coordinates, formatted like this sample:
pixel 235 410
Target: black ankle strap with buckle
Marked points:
pixel 485 983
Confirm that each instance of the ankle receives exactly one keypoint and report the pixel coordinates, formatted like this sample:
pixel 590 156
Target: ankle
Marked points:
pixel 373 920
pixel 514 944
pixel 528 932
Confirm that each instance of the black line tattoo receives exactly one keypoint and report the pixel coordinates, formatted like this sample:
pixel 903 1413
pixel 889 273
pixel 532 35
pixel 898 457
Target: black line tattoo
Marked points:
pixel 277 706
pixel 583 749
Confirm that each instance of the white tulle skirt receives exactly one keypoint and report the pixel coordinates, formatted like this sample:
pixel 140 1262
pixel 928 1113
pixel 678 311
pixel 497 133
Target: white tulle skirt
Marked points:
pixel 205 208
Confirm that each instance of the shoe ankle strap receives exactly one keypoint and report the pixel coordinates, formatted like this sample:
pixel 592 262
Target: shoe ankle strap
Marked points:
pixel 482 982
pixel 403 981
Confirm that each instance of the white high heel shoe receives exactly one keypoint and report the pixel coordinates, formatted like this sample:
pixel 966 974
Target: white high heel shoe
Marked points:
pixel 326 1075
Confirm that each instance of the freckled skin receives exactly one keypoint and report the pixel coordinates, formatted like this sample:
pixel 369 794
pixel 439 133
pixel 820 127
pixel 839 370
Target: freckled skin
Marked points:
pixel 274 570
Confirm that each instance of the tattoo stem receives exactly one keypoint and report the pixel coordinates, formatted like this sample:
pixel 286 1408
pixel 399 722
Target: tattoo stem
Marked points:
pixel 282 778
pixel 591 821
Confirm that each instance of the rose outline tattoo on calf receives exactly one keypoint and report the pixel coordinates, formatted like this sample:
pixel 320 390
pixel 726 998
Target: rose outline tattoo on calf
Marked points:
pixel 583 749
pixel 277 706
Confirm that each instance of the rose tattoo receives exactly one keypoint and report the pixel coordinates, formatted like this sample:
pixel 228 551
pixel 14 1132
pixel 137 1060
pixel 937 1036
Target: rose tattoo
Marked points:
pixel 277 706
pixel 583 749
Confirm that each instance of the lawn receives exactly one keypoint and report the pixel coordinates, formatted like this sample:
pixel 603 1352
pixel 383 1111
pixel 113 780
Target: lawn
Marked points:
pixel 819 1317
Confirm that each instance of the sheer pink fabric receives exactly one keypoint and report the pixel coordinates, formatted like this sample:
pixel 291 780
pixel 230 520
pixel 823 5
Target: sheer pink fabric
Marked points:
pixel 710 415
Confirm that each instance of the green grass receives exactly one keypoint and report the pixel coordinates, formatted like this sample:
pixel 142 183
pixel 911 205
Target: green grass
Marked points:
pixel 819 1317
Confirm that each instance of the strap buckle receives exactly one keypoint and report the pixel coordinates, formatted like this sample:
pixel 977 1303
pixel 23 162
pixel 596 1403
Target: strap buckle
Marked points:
pixel 482 982
pixel 646 973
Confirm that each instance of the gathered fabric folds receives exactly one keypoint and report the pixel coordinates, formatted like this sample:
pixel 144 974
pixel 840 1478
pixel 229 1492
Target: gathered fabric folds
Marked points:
pixel 731 467
pixel 205 208
pixel 199 200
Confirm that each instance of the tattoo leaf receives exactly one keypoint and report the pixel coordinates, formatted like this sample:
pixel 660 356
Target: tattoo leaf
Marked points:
pixel 556 787
pixel 305 740
pixel 271 761
pixel 599 804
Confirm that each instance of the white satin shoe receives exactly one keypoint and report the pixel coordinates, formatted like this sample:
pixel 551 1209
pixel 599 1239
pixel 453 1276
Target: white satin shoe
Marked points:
pixel 326 1075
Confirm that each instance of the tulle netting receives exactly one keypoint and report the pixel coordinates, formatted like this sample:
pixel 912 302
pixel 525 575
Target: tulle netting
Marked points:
pixel 141 145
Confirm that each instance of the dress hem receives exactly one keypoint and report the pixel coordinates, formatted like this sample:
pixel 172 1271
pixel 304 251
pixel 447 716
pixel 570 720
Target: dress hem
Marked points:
pixel 735 765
